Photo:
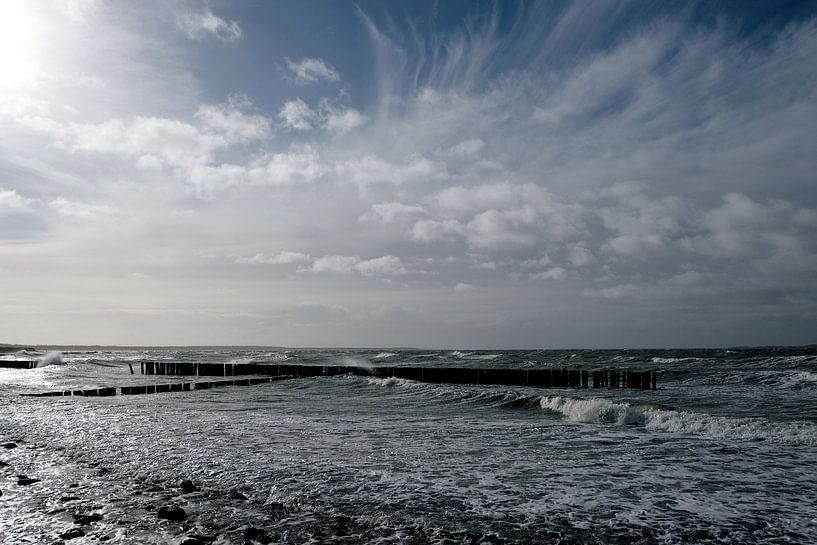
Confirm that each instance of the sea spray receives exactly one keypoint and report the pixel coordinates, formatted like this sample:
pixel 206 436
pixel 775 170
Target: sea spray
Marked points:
pixel 51 358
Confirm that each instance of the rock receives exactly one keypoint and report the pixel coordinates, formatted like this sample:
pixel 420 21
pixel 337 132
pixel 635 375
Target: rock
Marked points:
pixel 236 495
pixel 1 493
pixel 198 539
pixel 25 481
pixel 172 512
pixel 66 499
pixel 85 520
pixel 9 445
pixel 3 464
pixel 71 534
pixel 188 487
pixel 75 485
pixel 256 534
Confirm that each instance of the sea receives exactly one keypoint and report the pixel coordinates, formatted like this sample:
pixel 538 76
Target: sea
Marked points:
pixel 724 451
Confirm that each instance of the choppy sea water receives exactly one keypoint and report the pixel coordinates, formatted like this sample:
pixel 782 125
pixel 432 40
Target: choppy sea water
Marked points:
pixel 725 451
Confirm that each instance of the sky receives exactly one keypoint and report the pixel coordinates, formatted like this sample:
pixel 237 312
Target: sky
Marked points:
pixel 418 174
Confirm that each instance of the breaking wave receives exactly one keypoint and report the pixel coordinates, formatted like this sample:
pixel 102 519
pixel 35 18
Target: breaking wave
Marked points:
pixel 52 358
pixel 658 418
pixel 384 355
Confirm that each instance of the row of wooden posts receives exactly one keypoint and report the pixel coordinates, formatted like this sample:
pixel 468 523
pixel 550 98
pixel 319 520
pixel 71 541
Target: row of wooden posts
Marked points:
pixel 18 364
pixel 542 378
pixel 156 388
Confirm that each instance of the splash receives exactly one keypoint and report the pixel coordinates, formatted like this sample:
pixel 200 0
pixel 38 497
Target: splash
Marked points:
pixel 52 358
pixel 351 361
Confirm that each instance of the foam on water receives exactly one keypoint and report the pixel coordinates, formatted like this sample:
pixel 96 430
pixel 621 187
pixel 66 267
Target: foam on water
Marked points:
pixel 605 411
pixel 384 355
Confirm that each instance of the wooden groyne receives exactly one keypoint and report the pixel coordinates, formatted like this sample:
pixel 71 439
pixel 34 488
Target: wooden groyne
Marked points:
pixel 541 378
pixel 18 364
pixel 156 388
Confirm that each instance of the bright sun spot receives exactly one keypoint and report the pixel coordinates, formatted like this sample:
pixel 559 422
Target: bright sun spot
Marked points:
pixel 15 58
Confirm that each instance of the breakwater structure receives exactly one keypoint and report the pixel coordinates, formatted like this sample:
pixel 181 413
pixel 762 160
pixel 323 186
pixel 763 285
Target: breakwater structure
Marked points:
pixel 541 378
pixel 156 388
pixel 18 364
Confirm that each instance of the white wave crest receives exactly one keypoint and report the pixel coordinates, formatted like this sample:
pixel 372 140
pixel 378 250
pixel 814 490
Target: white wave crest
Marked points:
pixel 593 410
pixel 674 360
pixel 384 355
pixel 721 427
pixel 393 381
pixel 604 411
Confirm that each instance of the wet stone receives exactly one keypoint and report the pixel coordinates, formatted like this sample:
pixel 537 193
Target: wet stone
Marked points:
pixel 198 539
pixel 22 480
pixel 66 499
pixel 85 520
pixel 187 487
pixel 3 464
pixel 72 534
pixel 9 445
pixel 236 495
pixel 172 513
pixel 256 535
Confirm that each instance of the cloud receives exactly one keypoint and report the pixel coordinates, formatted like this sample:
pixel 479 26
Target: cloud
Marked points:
pixel 335 264
pixel 284 257
pixel 83 211
pixel 494 215
pixel 371 169
pixel 340 121
pixel 200 25
pixel 11 200
pixel 296 114
pixel 556 273
pixel 390 212
pixel 387 265
pixel 310 70
pixel 463 287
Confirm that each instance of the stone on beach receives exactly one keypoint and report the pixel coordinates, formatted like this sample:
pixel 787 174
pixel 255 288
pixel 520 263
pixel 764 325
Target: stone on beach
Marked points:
pixel 71 534
pixel 172 513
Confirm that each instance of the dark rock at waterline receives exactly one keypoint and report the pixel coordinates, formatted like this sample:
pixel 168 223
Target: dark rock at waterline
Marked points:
pixel 9 445
pixel 188 487
pixel 236 495
pixel 66 499
pixel 3 464
pixel 172 513
pixel 75 485
pixel 85 520
pixel 71 534
pixel 259 535
pixel 25 481
pixel 198 539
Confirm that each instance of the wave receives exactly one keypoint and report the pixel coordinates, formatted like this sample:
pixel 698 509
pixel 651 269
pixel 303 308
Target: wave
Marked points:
pixel 52 358
pixel 384 355
pixel 674 360
pixel 654 417
pixel 659 418
pixel 473 355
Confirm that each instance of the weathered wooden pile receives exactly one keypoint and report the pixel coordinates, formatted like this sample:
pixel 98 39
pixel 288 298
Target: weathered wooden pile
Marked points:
pixel 541 378
pixel 156 388
pixel 18 364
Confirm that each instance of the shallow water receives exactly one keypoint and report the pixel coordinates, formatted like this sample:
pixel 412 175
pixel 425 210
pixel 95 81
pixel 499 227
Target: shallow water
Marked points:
pixel 723 452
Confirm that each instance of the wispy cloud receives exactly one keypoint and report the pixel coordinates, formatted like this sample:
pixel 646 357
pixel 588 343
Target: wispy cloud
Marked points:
pixel 203 24
pixel 311 70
